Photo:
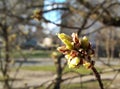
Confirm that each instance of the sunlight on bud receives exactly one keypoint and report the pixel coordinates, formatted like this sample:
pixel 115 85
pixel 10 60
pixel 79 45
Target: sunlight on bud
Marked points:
pixel 71 66
pixel 63 36
pixel 68 44
pixel 87 65
pixel 68 57
pixel 73 63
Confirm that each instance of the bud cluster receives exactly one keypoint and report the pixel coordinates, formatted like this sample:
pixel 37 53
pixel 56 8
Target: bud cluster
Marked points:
pixel 77 51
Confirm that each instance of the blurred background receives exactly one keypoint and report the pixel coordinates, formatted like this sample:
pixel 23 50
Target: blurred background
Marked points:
pixel 28 55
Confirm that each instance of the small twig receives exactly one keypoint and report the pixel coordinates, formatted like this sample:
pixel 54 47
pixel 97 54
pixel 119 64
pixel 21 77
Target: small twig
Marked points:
pixel 97 77
pixel 20 65
pixel 112 80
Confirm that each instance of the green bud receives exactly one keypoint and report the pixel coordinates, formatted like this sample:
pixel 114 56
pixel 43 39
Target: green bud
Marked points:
pixel 74 63
pixel 72 66
pixel 84 42
pixel 63 36
pixel 68 44
pixel 68 56
pixel 86 64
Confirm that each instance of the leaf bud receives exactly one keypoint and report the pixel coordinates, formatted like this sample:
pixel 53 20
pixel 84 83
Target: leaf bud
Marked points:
pixel 68 56
pixel 68 44
pixel 84 42
pixel 63 50
pixel 63 36
pixel 87 64
pixel 74 63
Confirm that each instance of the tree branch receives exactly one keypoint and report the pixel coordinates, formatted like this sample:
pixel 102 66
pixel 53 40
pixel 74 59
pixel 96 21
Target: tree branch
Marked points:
pixel 98 77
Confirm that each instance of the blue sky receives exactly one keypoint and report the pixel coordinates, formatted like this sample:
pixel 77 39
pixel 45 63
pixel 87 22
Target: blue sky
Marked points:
pixel 54 16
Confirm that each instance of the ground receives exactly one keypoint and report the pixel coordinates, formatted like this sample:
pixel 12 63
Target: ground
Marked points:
pixel 36 78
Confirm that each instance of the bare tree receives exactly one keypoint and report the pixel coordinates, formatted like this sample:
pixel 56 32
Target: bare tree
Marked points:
pixel 81 16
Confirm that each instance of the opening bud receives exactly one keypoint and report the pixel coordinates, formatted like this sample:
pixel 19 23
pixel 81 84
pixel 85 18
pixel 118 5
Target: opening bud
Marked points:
pixel 68 44
pixel 63 36
pixel 74 63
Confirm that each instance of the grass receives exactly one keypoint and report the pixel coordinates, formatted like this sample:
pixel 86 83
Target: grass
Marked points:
pixel 39 68
pixel 81 70
pixel 52 68
pixel 2 78
pixel 89 85
pixel 34 54
pixel 30 54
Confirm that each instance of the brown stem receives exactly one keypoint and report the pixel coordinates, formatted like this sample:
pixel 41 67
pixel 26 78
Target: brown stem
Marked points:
pixel 98 77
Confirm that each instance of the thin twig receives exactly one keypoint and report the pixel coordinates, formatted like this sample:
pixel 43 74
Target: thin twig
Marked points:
pixel 98 77
pixel 107 87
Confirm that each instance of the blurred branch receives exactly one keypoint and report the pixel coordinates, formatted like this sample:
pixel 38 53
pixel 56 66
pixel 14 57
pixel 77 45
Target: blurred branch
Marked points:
pixel 1 60
pixel 61 25
pixel 83 24
pixel 97 75
pixel 115 76
pixel 96 30
pixel 20 65
pixel 41 6
pixel 62 8
pixel 113 4
pixel 84 75
pixel 105 19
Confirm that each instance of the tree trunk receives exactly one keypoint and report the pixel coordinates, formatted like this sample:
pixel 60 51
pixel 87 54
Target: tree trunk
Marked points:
pixel 7 59
pixel 108 50
pixel 58 72
pixel 97 48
